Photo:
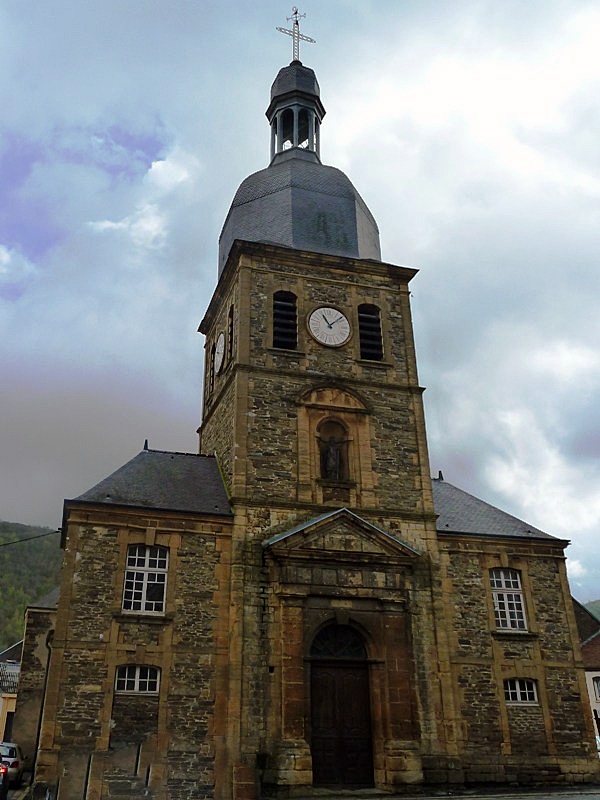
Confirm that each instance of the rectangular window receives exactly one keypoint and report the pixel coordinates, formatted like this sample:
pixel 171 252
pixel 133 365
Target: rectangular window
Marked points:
pixel 520 690
pixel 145 579
pixel 596 685
pixel 137 679
pixel 507 594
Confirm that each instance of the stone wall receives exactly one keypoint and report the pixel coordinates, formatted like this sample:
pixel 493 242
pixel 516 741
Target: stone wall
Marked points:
pixel 100 741
pixel 39 627
pixel 258 395
pixel 501 741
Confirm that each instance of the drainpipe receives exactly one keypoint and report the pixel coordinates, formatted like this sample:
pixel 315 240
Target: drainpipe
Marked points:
pixel 38 734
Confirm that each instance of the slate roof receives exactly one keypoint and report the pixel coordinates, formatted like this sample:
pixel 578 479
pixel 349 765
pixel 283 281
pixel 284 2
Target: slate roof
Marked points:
pixel 299 202
pixel 165 481
pixel 278 537
pixel 49 600
pixel 192 483
pixel 588 624
pixel 295 78
pixel 460 512
pixel 12 653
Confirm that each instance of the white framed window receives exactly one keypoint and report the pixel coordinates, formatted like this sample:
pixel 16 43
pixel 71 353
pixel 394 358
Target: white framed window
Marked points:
pixel 142 680
pixel 520 690
pixel 509 608
pixel 145 579
pixel 596 685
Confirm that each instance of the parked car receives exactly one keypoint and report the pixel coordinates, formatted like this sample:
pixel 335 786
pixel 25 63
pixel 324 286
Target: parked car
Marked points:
pixel 12 755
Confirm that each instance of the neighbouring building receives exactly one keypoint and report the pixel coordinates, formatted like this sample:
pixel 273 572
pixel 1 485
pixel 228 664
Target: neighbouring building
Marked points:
pixel 300 605
pixel 10 665
pixel 40 621
pixel 589 634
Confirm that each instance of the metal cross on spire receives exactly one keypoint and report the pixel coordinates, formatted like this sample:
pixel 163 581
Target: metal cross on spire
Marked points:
pixel 295 33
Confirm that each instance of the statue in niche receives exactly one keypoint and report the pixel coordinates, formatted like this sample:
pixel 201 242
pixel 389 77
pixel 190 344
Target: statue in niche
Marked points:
pixel 333 446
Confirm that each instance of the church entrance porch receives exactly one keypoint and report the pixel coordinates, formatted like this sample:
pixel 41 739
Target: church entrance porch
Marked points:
pixel 342 702
pixel 341 739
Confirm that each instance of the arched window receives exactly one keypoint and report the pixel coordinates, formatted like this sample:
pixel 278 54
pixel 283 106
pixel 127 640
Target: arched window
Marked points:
pixel 285 320
pixel 369 332
pixel 211 369
pixel 304 129
pixel 230 334
pixel 338 642
pixel 333 449
pixel 287 129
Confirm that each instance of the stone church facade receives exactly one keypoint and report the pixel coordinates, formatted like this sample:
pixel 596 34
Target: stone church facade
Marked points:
pixel 300 605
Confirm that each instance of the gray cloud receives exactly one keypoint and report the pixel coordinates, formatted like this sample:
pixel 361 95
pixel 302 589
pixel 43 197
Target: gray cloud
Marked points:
pixel 470 129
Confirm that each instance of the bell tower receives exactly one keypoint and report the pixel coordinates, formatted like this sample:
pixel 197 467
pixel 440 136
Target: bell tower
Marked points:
pixel 311 393
pixel 313 409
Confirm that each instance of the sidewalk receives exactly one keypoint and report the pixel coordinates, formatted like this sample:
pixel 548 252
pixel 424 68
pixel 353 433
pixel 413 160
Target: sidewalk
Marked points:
pixel 586 791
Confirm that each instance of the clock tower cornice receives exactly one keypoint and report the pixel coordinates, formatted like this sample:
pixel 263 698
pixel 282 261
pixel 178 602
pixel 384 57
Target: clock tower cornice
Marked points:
pixel 271 256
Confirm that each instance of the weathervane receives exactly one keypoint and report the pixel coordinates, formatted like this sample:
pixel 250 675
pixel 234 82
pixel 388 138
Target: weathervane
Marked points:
pixel 295 33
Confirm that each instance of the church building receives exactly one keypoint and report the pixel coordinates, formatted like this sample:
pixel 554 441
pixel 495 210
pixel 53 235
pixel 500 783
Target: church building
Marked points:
pixel 299 605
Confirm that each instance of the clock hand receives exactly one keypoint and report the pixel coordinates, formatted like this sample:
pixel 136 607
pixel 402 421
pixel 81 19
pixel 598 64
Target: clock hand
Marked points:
pixel 337 320
pixel 326 321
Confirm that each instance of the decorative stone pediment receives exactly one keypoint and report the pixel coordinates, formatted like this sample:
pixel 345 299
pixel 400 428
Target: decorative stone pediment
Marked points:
pixel 333 398
pixel 342 535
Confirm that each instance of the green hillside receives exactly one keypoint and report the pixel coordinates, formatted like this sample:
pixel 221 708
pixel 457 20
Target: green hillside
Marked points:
pixel 594 607
pixel 28 571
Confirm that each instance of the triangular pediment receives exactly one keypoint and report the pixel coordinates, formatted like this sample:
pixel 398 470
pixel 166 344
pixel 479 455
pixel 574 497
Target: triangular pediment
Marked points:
pixel 342 533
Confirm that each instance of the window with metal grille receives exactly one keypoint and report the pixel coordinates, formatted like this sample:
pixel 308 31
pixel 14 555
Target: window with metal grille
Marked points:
pixel 509 608
pixel 338 642
pixel 137 679
pixel 520 690
pixel 285 320
pixel 145 579
pixel 369 332
pixel 211 369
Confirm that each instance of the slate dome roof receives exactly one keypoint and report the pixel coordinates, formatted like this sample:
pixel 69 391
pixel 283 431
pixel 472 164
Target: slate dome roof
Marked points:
pixel 297 201
pixel 295 78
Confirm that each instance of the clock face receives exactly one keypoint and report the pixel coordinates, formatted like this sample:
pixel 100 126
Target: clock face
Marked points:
pixel 329 326
pixel 219 352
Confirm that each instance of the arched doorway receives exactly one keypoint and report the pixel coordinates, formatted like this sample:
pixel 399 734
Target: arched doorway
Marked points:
pixel 341 742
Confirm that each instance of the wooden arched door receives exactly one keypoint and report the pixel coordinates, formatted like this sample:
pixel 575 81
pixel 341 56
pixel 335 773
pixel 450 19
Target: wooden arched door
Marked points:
pixel 341 741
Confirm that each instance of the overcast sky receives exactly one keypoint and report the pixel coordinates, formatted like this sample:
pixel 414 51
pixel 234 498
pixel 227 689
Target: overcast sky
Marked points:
pixel 470 127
